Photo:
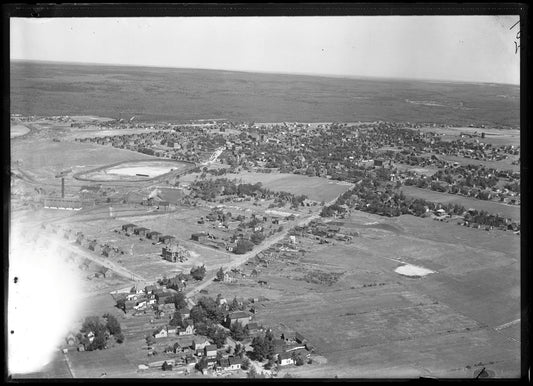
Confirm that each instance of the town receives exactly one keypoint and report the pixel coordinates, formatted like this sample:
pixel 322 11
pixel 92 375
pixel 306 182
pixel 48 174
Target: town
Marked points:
pixel 233 206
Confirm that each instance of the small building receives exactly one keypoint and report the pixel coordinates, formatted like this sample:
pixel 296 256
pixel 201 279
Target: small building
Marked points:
pixel 141 231
pixel 285 359
pixel 239 316
pixel 163 205
pixel 200 237
pixel 153 235
pixel 234 363
pixel 161 332
pixel 166 239
pixel 162 296
pixel 187 328
pixel 210 351
pixel 299 338
pixel 128 228
pixel 199 343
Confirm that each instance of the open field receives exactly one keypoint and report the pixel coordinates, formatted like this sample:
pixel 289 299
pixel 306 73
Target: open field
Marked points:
pixel 315 188
pixel 53 157
pixel 40 88
pixel 512 211
pixel 18 130
pixel 442 324
pixel 133 170
pixel 501 165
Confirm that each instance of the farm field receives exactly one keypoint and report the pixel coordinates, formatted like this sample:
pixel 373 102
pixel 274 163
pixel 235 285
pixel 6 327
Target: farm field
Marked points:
pixel 315 188
pixel 442 324
pixel 512 211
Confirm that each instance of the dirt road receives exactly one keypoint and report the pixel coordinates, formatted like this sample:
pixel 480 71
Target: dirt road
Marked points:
pixel 241 259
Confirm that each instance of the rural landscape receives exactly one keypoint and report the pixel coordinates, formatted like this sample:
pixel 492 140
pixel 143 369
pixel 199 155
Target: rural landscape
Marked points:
pixel 244 225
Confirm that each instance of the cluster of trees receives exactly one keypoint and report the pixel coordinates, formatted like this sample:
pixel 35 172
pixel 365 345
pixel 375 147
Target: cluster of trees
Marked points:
pixel 198 273
pixel 102 330
pixel 263 346
pixel 369 196
pixel 178 299
pixel 206 315
pixel 209 190
pixel 243 246
pixel 238 331
pixel 484 218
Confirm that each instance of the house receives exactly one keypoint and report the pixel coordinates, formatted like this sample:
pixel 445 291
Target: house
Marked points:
pixel 200 237
pixel 199 343
pixel 252 327
pixel 285 359
pixel 128 228
pixel 185 313
pixel 166 239
pixel 187 328
pixel 299 338
pixel 149 289
pixel 70 339
pixel 141 231
pixel 210 351
pixel 163 204
pixel 238 316
pixel 162 296
pixel 153 235
pixel 161 332
pixel 234 363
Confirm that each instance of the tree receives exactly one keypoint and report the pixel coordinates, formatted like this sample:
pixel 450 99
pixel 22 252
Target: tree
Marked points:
pixel 198 273
pixel 166 366
pixel 218 335
pixel 245 365
pixel 238 332
pixel 234 306
pixel 220 274
pixel 262 347
pixel 93 324
pixel 112 325
pixel 119 337
pixel 243 246
pixel 176 320
pixel 150 340
pixel 257 238
pixel 179 300
pixel 202 364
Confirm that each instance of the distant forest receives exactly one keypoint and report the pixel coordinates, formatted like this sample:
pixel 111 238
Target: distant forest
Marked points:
pixel 167 94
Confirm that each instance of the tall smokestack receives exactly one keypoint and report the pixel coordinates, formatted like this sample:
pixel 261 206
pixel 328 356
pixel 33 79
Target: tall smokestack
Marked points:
pixel 62 187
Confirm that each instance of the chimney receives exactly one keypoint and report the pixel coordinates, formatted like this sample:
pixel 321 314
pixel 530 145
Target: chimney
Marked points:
pixel 62 187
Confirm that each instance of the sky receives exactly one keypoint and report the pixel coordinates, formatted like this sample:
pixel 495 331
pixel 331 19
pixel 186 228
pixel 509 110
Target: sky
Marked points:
pixel 451 48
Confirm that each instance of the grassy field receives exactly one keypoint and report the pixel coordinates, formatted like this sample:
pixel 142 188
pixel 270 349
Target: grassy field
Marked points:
pixel 511 211
pixel 176 94
pixel 440 325
pixel 53 157
pixel 500 165
pixel 315 188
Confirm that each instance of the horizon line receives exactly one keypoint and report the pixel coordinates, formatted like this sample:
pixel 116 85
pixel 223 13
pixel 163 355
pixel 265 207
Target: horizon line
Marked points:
pixel 336 76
